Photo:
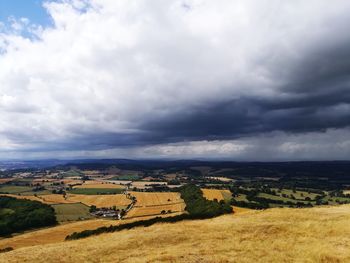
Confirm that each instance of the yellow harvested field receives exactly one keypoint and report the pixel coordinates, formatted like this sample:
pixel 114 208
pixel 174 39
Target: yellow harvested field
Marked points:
pixel 152 198
pixel 156 210
pixel 100 200
pixel 99 185
pixel 319 234
pixel 152 204
pixel 346 192
pixel 217 194
pixel 97 200
pixel 71 181
pixel 55 199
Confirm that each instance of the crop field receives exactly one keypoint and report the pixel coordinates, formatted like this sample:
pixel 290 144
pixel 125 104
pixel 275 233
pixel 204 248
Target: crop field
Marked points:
pixel 118 200
pixel 151 198
pixel 177 208
pixel 71 181
pixel 5 180
pixel 336 200
pixel 97 184
pixel 145 184
pixel 118 182
pixel 127 177
pixel 72 173
pixel 28 197
pixel 55 199
pixel 100 200
pixel 96 191
pixel 222 179
pixel 151 204
pixel 71 212
pixel 217 194
pixel 241 197
pixel 274 197
pixel 13 189
pixel 296 194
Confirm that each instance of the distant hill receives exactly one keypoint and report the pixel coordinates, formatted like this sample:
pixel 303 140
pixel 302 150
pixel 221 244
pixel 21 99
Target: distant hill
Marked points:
pixel 320 234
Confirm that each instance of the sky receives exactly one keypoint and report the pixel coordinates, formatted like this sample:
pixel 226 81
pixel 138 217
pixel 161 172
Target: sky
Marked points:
pixel 237 80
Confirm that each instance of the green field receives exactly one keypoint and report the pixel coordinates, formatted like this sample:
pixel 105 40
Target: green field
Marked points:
pixel 6 211
pixel 241 197
pixel 274 197
pixel 297 194
pixel 71 212
pixel 21 190
pixel 227 196
pixel 43 192
pixel 96 191
pixel 336 200
pixel 13 189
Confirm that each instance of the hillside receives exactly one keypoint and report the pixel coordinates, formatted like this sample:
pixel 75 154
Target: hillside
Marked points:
pixel 319 234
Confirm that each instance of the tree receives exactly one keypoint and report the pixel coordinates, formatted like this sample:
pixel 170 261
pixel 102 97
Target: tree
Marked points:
pixel 93 208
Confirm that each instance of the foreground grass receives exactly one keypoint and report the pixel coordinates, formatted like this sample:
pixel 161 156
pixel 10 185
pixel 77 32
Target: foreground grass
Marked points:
pixel 320 234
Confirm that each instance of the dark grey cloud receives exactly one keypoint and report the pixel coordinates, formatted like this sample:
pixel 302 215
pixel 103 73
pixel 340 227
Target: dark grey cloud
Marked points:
pixel 118 75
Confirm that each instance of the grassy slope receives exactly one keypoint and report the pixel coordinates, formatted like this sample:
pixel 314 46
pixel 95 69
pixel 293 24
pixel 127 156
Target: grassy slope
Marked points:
pixel 319 234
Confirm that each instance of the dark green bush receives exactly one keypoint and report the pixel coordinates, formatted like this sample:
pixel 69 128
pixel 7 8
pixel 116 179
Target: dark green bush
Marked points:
pixel 19 214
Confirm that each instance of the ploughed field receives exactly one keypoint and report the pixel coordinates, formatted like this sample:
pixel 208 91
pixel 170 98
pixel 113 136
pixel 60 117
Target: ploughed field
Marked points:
pixel 319 234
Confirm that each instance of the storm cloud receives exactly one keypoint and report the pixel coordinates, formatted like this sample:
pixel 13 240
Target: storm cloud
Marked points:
pixel 193 78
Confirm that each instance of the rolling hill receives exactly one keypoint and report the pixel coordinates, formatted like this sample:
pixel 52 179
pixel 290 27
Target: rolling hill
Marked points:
pixel 319 234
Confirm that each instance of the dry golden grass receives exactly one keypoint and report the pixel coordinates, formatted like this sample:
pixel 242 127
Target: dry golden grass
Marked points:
pixel 58 233
pixel 152 198
pixel 276 235
pixel 241 210
pixel 217 194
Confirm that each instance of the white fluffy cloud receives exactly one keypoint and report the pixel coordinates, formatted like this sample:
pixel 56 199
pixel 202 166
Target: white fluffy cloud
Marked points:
pixel 108 66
